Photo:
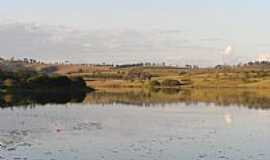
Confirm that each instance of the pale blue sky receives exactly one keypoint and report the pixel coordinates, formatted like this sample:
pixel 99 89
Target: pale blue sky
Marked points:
pixel 137 13
pixel 214 24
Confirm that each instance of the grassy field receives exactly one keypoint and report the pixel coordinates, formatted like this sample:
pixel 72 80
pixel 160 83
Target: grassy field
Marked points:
pixel 112 77
pixel 193 79
pixel 107 84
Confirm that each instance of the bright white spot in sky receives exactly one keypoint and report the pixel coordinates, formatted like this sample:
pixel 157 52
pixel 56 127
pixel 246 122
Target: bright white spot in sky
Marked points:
pixel 228 50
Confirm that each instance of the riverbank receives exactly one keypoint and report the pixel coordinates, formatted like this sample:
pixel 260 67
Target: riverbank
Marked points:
pixel 140 77
pixel 194 82
pixel 249 75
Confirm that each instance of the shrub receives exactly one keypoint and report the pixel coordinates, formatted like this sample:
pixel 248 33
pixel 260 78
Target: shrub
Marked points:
pixel 170 83
pixel 53 82
pixel 78 82
pixel 154 83
pixel 25 79
pixel 39 81
pixel 138 75
pixel 187 81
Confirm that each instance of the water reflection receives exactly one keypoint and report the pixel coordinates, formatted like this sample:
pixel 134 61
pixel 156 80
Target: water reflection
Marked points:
pixel 30 99
pixel 228 118
pixel 255 99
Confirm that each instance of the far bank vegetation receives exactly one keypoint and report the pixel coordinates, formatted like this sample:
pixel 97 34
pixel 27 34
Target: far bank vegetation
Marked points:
pixel 249 75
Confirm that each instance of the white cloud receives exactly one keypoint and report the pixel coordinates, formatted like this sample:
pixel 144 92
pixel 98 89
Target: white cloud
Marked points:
pixel 52 43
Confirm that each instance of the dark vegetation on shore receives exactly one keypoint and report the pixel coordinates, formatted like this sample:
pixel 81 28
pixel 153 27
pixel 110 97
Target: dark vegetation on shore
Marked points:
pixel 25 80
pixel 167 83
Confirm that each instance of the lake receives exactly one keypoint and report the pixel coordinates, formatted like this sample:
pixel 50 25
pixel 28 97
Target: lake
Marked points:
pixel 221 124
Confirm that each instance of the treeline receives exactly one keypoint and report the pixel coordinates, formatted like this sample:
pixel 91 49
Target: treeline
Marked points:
pixel 257 63
pixel 147 64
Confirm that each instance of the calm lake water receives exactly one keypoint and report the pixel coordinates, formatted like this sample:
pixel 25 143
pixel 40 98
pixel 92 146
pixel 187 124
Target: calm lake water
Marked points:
pixel 136 125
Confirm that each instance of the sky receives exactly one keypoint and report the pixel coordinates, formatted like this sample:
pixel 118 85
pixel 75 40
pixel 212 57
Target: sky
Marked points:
pixel 203 32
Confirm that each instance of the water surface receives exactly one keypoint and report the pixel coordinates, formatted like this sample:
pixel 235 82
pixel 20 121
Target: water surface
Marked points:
pixel 159 125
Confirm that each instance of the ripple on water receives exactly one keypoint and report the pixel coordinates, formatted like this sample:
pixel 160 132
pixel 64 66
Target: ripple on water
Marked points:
pixel 88 126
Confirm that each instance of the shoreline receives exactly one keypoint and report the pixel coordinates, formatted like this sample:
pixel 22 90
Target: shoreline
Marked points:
pixel 59 90
pixel 122 84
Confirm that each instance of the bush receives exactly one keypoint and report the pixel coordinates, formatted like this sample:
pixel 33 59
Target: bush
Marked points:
pixel 27 79
pixel 187 81
pixel 40 81
pixel 154 83
pixel 55 82
pixel 78 82
pixel 138 75
pixel 170 83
